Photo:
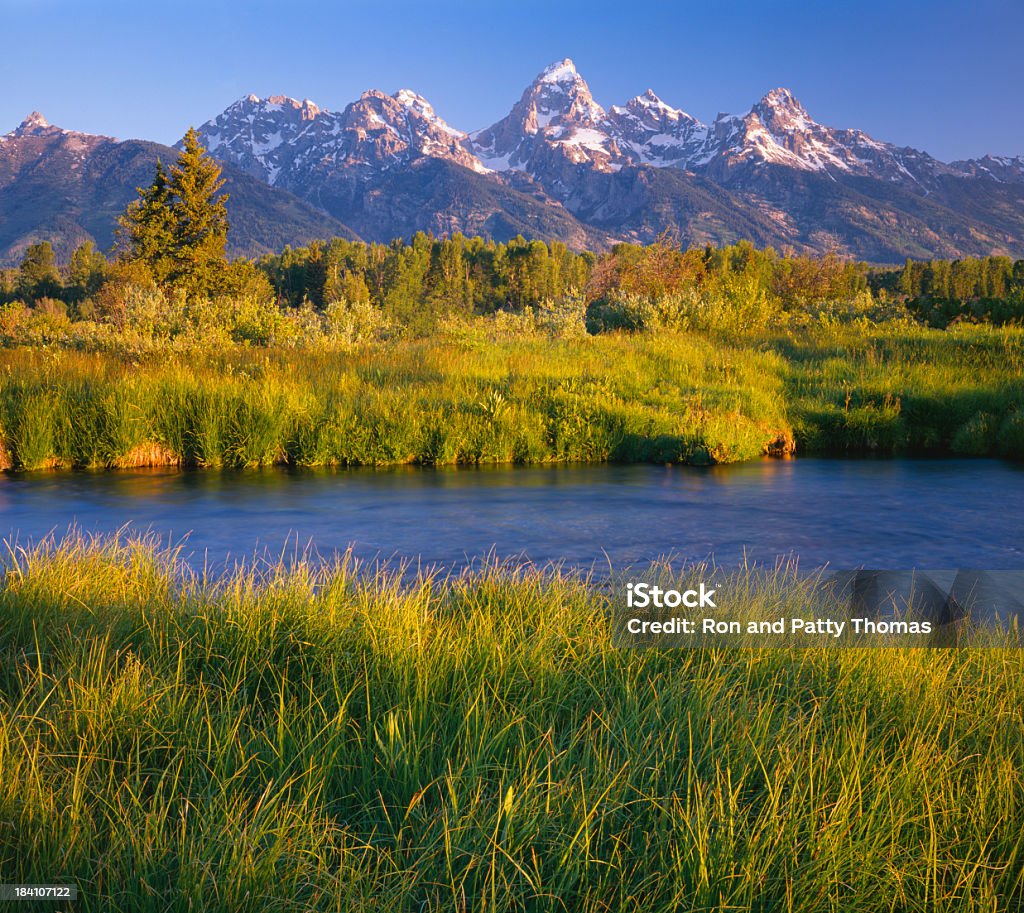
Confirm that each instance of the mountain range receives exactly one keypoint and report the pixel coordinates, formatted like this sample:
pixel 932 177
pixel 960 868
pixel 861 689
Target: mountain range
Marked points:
pixel 558 166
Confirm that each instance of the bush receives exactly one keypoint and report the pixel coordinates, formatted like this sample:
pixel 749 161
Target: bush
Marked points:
pixel 633 312
pixel 976 436
pixel 1010 440
pixel 564 317
pixel 354 322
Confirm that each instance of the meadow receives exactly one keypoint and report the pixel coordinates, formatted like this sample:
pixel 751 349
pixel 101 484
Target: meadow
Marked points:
pixel 498 390
pixel 335 738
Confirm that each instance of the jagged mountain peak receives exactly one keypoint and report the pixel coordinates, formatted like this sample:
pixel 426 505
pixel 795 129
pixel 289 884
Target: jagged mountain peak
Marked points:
pixel 282 140
pixel 780 97
pixel 556 113
pixel 558 92
pixel 276 102
pixel 779 110
pixel 420 106
pixel 370 94
pixel 415 101
pixel 36 125
pixel 652 108
pixel 561 72
pixel 254 107
pixel 650 100
pixel 388 165
pixel 34 121
pixel 403 112
pixel 1000 168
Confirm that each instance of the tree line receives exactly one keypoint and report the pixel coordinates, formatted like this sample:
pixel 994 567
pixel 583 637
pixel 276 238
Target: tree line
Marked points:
pixel 173 236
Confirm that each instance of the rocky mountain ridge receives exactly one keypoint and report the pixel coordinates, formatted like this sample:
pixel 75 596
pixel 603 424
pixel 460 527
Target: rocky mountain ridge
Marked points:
pixel 67 187
pixel 755 173
pixel 560 166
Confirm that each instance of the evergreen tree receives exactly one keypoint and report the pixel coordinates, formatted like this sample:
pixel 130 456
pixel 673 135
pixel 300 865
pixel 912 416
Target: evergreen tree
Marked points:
pixel 145 230
pixel 178 226
pixel 908 280
pixel 199 219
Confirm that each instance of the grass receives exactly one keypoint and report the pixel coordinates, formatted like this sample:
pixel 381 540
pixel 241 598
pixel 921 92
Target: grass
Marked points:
pixel 872 389
pixel 315 738
pixel 437 402
pixel 478 397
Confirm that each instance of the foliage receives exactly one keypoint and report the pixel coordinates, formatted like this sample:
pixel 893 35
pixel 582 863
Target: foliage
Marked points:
pixel 199 221
pixel 86 273
pixel 706 356
pixel 146 234
pixel 343 387
pixel 38 276
pixel 423 286
pixel 331 400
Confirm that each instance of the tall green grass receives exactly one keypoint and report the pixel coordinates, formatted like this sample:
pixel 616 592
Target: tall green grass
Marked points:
pixel 479 397
pixel 320 739
pixel 439 402
pixel 874 389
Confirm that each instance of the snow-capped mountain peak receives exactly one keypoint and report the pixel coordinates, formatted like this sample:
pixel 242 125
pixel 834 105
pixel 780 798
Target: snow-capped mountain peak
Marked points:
pixel 560 137
pixel 387 165
pixel 556 114
pixel 780 111
pixel 418 104
pixel 560 72
pixel 258 134
pixel 650 102
pixel 280 139
pixel 650 131
pixel 560 91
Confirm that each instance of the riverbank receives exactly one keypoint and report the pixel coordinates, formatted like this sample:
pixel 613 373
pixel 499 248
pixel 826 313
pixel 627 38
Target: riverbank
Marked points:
pixel 483 395
pixel 317 739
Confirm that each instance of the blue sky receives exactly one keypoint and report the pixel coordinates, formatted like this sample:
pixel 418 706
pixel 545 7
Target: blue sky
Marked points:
pixel 946 76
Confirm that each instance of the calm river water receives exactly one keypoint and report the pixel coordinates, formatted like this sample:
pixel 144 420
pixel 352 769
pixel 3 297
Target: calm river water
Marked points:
pixel 844 513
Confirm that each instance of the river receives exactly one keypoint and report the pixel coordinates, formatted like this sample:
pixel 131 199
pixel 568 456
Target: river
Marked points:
pixel 899 513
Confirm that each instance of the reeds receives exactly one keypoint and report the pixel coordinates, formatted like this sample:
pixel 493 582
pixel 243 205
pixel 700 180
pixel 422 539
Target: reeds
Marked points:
pixel 438 402
pixel 479 398
pixel 328 738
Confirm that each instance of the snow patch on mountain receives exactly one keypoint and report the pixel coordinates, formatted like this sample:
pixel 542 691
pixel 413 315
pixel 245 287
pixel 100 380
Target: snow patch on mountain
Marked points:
pixel 562 71
pixel 283 141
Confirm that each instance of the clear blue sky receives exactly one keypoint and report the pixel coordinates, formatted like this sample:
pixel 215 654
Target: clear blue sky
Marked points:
pixel 946 76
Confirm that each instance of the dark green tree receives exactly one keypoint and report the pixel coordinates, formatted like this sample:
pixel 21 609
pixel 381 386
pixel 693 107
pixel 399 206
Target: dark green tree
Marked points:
pixel 199 219
pixel 38 276
pixel 178 226
pixel 145 231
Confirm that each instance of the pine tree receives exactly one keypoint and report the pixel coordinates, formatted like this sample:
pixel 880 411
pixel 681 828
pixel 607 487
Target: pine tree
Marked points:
pixel 199 219
pixel 178 226
pixel 145 230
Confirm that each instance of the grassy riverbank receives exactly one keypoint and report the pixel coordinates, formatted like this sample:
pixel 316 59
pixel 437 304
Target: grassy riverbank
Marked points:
pixel 486 395
pixel 318 740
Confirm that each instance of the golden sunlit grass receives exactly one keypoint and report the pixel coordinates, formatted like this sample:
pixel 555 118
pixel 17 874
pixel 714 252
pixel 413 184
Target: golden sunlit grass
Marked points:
pixel 476 397
pixel 322 738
